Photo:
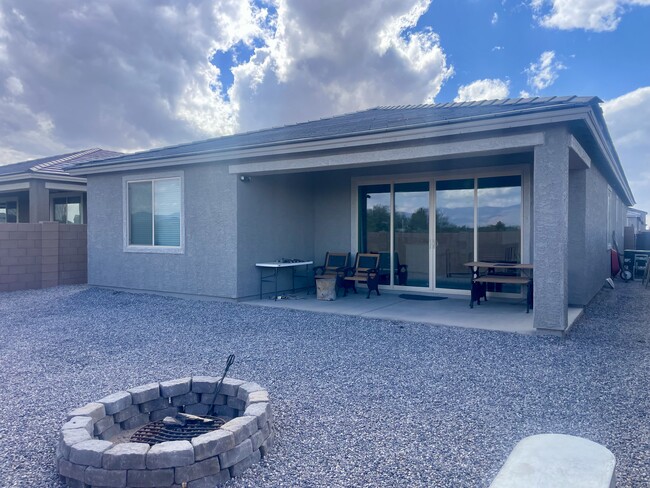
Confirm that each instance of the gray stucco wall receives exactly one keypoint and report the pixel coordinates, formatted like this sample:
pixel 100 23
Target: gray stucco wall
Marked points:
pixel 275 220
pixel 589 256
pixel 208 265
pixel 332 214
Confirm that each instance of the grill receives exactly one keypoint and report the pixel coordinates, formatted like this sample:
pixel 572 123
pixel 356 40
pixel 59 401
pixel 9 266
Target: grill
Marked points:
pixel 157 432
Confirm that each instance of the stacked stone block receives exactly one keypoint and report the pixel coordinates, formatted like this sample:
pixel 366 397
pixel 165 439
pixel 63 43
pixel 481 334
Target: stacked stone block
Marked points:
pixel 87 458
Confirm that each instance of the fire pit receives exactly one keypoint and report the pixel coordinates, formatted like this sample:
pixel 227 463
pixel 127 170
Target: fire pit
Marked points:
pixel 174 433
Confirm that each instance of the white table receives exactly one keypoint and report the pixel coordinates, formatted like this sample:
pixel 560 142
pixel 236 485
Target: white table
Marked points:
pixel 275 267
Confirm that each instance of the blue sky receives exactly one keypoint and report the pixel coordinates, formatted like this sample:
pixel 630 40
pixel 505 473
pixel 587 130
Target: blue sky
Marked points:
pixel 129 76
pixel 606 64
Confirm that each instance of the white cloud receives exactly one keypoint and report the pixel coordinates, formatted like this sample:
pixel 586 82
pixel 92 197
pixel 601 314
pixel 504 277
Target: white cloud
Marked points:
pixel 498 48
pixel 593 15
pixel 544 72
pixel 495 18
pixel 133 75
pixel 628 119
pixel 488 89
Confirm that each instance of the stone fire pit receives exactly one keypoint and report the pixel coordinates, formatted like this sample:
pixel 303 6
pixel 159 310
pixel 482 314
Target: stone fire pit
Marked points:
pixel 94 447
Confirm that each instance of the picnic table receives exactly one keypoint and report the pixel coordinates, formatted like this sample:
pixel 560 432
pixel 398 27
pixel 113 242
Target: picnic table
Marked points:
pixel 494 274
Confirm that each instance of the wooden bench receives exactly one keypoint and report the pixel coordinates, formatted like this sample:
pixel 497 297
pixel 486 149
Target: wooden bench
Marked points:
pixel 480 281
pixel 365 270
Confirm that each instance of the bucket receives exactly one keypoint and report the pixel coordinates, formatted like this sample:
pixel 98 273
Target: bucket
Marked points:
pixel 326 289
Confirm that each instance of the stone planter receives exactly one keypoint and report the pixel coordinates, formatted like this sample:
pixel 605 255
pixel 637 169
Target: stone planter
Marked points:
pixel 89 452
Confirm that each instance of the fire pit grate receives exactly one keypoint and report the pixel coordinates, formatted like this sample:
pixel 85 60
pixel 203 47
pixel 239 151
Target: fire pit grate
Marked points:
pixel 157 432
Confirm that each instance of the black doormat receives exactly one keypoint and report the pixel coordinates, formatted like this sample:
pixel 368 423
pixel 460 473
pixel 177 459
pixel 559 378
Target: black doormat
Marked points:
pixel 421 297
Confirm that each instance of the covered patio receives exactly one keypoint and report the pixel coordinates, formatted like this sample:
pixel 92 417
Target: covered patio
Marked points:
pixel 497 314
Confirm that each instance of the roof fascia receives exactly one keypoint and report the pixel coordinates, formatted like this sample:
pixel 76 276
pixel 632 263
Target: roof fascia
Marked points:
pixel 17 186
pixel 387 136
pixel 454 149
pixel 53 185
pixel 36 176
pixel 610 158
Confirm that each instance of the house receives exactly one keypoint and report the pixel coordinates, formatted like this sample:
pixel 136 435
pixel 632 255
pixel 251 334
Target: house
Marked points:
pixel 41 190
pixel 38 199
pixel 636 219
pixel 533 180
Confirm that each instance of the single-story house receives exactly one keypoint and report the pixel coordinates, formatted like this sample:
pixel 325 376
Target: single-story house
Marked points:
pixel 41 190
pixel 532 180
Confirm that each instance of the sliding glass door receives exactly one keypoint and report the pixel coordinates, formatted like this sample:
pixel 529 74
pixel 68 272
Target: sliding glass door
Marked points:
pixel 475 218
pixel 454 232
pixel 394 222
pixel 411 235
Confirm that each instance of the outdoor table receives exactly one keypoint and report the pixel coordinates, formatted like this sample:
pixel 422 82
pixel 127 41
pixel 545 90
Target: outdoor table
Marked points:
pixel 275 267
pixel 479 282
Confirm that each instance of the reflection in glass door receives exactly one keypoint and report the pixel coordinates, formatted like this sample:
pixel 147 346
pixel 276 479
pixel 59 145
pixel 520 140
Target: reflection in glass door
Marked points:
pixel 374 218
pixel 411 237
pixel 399 233
pixel 454 232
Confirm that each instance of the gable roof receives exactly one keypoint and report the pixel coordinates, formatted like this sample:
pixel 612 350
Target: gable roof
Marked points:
pixel 56 165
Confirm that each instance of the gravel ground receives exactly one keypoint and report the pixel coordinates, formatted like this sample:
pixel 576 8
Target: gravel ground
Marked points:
pixel 357 402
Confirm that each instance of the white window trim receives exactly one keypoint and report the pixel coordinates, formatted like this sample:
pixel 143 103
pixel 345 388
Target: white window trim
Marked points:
pixel 66 195
pixel 522 170
pixel 125 213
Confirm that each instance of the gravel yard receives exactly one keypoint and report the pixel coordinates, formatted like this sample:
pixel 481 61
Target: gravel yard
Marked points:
pixel 357 402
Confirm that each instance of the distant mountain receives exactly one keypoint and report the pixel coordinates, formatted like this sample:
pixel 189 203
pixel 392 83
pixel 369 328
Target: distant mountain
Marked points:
pixel 486 215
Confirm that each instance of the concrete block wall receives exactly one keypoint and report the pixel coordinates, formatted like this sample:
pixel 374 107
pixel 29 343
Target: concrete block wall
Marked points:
pixel 41 255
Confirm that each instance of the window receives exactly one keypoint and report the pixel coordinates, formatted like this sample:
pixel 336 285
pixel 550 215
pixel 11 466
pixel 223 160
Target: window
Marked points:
pixel 67 210
pixel 8 212
pixel 155 217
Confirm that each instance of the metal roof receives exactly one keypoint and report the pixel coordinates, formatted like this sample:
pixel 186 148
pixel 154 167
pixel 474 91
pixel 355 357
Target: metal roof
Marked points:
pixel 379 119
pixel 58 164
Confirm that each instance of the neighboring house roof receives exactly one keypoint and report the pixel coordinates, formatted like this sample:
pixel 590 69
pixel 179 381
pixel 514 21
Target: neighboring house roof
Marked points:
pixel 388 119
pixel 635 212
pixel 55 165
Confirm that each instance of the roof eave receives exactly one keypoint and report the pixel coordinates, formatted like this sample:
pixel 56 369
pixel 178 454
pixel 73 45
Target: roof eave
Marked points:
pixel 384 136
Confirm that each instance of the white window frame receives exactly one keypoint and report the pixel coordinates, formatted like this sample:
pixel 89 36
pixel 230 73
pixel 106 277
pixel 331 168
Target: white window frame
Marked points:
pixel 152 177
pixel 523 170
pixel 67 195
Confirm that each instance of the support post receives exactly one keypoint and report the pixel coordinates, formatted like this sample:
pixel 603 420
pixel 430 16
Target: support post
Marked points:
pixel 551 230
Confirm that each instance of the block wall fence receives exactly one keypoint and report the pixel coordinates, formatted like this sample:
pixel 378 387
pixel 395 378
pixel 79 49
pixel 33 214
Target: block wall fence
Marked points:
pixel 42 255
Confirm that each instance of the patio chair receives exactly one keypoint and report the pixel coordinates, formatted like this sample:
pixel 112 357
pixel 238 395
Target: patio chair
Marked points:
pixel 334 267
pixel 365 270
pixel 401 270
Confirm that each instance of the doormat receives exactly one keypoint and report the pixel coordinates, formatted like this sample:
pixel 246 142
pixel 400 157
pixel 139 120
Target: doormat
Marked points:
pixel 421 297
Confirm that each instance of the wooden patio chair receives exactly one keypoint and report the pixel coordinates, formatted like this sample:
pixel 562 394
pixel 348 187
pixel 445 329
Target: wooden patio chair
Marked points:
pixel 365 270
pixel 335 265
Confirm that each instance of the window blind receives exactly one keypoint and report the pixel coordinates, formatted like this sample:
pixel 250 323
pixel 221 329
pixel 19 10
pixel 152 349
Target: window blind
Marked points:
pixel 167 211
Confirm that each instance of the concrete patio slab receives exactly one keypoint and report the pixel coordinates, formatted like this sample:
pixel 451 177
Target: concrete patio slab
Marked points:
pixel 495 314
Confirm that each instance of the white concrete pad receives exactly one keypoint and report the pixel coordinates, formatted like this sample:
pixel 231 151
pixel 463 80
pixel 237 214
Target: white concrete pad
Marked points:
pixel 557 460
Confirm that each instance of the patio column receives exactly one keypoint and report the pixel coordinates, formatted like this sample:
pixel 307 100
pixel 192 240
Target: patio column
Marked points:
pixel 551 230
pixel 39 202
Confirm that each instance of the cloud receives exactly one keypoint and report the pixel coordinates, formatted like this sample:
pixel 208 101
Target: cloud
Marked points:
pixel 544 72
pixel 135 75
pixel 488 89
pixel 628 119
pixel 591 15
pixel 495 18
